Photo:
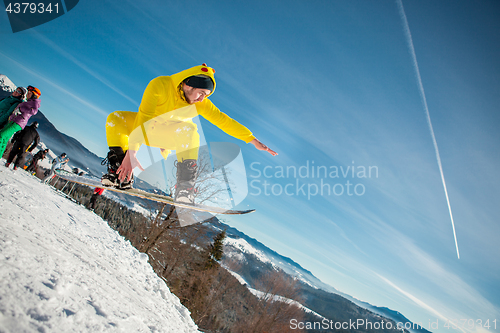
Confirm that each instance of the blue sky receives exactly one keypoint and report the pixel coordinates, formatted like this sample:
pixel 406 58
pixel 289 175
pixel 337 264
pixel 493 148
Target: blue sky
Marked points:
pixel 325 83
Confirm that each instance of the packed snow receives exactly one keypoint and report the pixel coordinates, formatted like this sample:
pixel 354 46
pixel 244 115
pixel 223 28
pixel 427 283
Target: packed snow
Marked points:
pixel 242 247
pixel 62 269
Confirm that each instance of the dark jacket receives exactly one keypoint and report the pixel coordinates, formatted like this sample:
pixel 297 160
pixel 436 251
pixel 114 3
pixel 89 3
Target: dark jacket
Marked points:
pixel 27 136
pixel 7 106
pixel 40 155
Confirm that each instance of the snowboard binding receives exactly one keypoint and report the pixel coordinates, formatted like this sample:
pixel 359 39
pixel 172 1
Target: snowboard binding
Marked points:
pixel 113 161
pixel 186 175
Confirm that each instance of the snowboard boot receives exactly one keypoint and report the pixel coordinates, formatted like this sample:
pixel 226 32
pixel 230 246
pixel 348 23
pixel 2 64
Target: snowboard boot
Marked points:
pixel 114 160
pixel 186 175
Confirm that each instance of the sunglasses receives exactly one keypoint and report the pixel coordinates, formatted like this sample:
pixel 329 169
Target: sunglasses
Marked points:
pixel 19 91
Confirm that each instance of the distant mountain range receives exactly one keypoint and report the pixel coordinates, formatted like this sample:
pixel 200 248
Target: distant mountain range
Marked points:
pixel 323 299
pixel 255 259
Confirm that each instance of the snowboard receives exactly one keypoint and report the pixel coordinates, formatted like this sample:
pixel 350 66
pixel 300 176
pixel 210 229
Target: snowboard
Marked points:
pixel 93 182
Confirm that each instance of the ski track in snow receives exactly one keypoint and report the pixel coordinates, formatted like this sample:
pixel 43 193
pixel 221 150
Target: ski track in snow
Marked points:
pixel 63 269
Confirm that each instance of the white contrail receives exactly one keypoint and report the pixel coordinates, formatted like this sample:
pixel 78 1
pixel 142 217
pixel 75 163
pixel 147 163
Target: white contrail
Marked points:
pixel 54 84
pixel 84 67
pixel 424 100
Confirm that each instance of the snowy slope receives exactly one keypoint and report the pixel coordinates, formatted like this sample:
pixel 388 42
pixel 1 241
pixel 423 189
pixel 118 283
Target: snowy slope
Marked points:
pixel 62 269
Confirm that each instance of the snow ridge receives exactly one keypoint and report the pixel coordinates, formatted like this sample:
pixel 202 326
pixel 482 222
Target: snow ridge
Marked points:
pixel 243 247
pixel 6 84
pixel 62 269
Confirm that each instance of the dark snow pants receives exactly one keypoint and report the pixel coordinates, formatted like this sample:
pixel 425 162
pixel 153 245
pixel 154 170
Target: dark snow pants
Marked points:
pixel 17 151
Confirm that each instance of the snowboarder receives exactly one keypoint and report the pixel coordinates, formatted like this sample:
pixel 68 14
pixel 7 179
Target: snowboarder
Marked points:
pixel 165 121
pixel 20 117
pixel 9 104
pixel 24 141
pixel 98 191
pixel 58 163
pixel 40 155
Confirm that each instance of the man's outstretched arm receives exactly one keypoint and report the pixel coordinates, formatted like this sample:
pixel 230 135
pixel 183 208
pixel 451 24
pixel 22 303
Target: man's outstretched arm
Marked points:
pixel 260 146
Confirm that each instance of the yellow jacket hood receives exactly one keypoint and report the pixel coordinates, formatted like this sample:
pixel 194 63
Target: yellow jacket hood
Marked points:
pixel 197 70
pixel 162 96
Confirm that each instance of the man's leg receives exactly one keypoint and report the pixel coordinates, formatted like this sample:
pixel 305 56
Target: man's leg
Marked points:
pixel 17 154
pixel 6 133
pixel 114 160
pixel 186 180
pixel 119 125
pixel 183 137
pixel 32 166
pixel 13 153
pixel 187 146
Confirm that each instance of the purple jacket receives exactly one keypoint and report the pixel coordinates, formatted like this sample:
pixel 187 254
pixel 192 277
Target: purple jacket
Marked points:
pixel 28 109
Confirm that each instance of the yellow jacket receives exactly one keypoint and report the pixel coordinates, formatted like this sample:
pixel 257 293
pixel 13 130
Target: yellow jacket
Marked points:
pixel 163 95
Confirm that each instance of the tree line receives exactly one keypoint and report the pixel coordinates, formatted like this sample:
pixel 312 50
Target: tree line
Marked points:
pixel 188 260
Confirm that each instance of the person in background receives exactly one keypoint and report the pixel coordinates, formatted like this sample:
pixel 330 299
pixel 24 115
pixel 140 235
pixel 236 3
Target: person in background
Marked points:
pixel 57 163
pixel 19 118
pixel 97 193
pixel 24 141
pixel 9 104
pixel 40 155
